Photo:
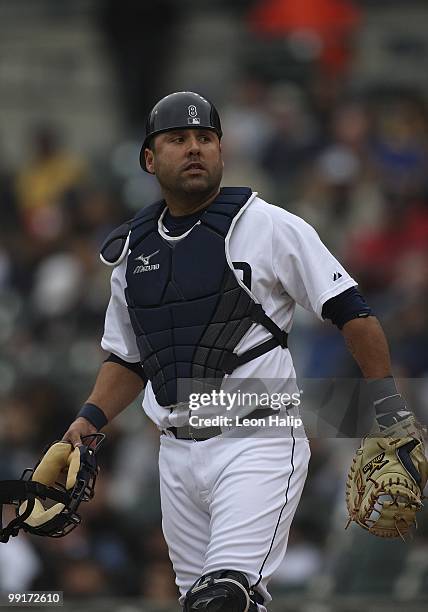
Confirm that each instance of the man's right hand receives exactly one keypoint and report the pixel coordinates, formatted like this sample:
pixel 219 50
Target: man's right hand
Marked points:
pixel 80 427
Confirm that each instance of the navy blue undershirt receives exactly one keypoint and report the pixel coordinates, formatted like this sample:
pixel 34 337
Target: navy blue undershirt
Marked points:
pixel 179 225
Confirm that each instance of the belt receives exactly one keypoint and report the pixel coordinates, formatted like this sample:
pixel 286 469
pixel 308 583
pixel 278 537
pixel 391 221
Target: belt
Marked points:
pixel 187 432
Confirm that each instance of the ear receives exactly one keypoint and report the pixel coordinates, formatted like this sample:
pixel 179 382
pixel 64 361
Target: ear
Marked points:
pixel 221 152
pixel 150 160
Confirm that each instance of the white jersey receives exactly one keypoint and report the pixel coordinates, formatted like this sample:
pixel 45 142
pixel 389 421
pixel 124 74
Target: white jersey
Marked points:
pixel 289 265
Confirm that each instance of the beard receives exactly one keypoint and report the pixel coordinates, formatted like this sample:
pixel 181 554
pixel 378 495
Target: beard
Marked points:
pixel 194 187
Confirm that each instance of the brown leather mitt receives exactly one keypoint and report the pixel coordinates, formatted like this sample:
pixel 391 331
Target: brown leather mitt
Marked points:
pixel 385 483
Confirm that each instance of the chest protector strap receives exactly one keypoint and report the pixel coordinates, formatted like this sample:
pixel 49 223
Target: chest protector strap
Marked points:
pixel 186 306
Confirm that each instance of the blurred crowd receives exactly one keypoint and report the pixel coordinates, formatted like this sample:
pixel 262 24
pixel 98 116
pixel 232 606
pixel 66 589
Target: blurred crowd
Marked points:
pixel 355 167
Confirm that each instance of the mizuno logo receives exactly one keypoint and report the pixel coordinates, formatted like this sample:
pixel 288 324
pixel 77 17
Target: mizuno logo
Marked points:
pixel 201 586
pixel 375 464
pixel 146 258
pixel 336 276
pixel 146 267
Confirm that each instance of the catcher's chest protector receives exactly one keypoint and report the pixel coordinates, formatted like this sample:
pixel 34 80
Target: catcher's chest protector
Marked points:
pixel 187 309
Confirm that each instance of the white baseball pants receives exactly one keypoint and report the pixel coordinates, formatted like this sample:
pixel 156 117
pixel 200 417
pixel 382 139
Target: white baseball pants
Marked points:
pixel 228 503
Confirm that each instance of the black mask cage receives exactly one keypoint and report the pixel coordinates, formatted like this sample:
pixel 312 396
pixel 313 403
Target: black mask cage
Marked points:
pixel 17 492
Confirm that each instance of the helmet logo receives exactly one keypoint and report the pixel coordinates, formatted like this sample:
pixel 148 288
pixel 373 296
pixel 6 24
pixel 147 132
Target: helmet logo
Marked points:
pixel 193 118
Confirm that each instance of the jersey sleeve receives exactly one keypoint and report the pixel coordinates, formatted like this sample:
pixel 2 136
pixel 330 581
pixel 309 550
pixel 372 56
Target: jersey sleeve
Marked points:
pixel 119 337
pixel 307 270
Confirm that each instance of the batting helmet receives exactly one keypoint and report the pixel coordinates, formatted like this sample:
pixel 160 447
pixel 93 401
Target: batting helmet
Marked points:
pixel 180 110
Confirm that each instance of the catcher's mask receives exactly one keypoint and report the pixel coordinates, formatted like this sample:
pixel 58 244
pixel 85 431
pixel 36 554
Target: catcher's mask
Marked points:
pixel 77 466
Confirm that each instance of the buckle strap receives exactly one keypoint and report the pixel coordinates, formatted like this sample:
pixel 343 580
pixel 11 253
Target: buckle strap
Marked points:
pixel 12 529
pixel 14 491
pixel 256 597
pixel 230 361
pixel 258 315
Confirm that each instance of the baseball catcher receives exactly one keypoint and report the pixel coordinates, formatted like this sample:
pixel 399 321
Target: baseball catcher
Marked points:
pixel 65 476
pixel 385 483
pixel 204 285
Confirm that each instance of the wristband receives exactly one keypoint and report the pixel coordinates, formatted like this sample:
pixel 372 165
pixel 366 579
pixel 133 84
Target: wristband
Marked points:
pixel 389 405
pixel 94 415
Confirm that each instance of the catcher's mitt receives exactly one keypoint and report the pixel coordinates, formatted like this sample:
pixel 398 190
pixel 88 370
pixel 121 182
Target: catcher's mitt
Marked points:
pixel 386 480
pixel 39 487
